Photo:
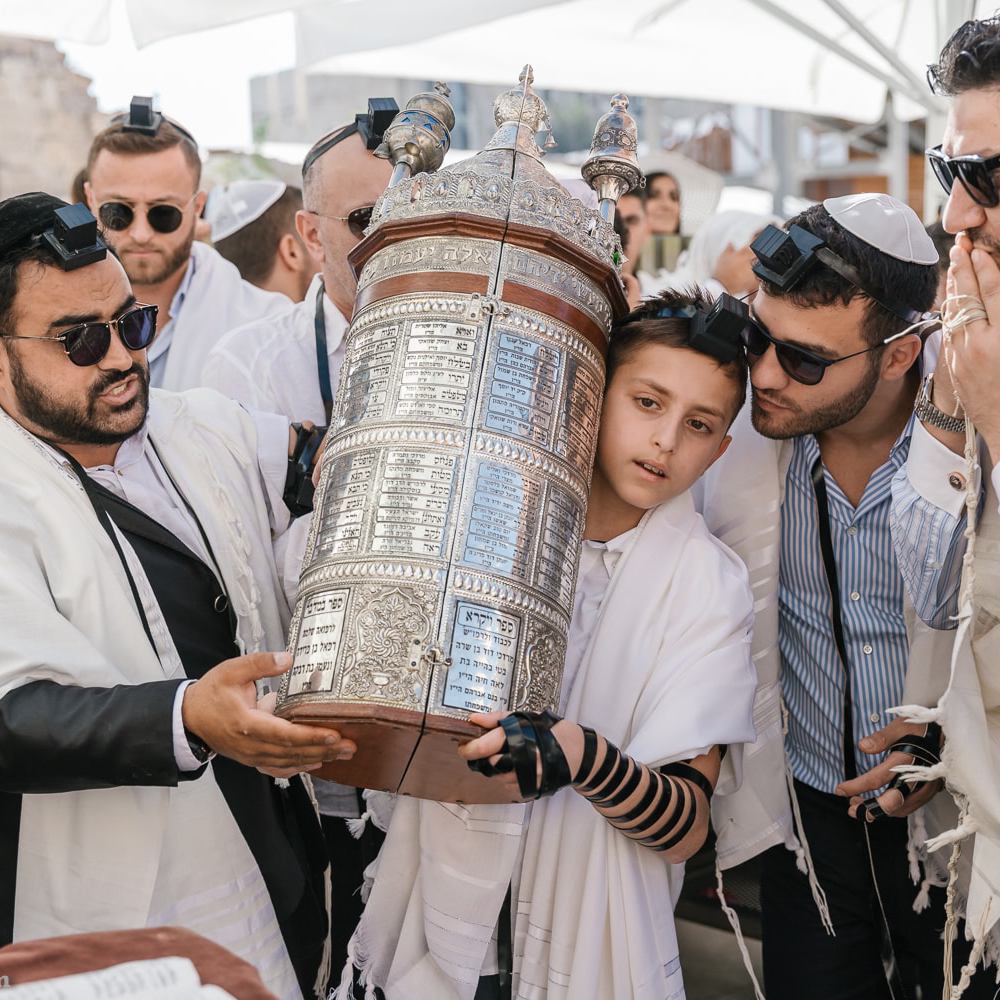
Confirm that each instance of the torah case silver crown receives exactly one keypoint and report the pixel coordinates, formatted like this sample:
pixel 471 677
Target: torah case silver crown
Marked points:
pixel 441 564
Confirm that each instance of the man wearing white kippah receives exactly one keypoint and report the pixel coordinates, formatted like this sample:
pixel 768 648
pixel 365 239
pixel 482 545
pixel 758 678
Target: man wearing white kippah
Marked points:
pixel 253 227
pixel 815 497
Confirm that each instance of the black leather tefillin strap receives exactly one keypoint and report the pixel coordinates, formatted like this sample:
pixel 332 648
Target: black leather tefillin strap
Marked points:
pixel 925 750
pixel 830 565
pixel 529 739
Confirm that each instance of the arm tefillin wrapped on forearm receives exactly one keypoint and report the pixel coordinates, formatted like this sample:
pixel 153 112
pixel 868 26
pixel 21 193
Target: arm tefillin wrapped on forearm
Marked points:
pixel 654 807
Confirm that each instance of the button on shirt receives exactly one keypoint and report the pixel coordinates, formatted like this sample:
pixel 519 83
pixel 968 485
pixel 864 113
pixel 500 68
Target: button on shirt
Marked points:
pixel 871 608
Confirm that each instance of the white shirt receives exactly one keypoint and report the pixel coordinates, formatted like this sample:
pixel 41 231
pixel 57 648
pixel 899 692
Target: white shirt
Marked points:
pixel 270 364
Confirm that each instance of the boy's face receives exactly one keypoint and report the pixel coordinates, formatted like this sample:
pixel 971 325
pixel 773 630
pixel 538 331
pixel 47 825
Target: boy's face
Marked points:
pixel 664 422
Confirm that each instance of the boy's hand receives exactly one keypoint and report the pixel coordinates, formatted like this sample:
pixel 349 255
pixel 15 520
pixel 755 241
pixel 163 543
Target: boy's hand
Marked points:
pixel 490 746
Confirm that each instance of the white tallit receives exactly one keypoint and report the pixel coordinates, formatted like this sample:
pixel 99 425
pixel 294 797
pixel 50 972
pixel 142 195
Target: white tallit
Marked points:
pixel 969 713
pixel 89 860
pixel 667 675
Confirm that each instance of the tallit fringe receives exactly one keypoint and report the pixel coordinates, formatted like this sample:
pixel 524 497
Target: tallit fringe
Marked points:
pixel 915 713
pixel 734 921
pixel 965 828
pixel 803 856
pixel 356 959
pixel 356 825
pixel 326 962
pixel 916 835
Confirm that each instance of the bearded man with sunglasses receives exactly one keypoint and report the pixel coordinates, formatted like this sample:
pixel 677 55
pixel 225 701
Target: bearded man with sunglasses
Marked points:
pixel 144 177
pixel 814 494
pixel 139 594
pixel 965 386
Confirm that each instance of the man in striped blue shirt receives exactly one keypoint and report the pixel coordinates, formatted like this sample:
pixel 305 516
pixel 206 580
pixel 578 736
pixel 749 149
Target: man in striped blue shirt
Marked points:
pixel 835 349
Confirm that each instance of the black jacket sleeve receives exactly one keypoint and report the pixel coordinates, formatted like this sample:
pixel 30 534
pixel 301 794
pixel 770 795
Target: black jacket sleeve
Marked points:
pixel 60 738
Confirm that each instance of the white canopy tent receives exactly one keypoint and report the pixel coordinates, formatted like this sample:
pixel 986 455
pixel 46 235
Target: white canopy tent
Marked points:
pixel 822 57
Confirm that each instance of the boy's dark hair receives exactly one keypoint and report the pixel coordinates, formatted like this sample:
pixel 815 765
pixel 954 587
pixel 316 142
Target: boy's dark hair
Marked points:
pixel 253 247
pixel 970 59
pixel 904 281
pixel 645 326
pixel 116 140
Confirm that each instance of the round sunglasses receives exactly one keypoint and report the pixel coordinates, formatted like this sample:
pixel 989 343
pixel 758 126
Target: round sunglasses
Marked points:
pixel 974 172
pixel 88 343
pixel 357 221
pixel 117 216
pixel 797 363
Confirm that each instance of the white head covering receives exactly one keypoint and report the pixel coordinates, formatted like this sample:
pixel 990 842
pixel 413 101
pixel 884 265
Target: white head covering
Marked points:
pixel 236 205
pixel 729 228
pixel 884 223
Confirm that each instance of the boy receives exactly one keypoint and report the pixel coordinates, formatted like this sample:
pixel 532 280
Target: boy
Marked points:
pixel 658 663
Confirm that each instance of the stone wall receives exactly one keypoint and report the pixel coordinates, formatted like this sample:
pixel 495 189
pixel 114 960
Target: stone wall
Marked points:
pixel 47 118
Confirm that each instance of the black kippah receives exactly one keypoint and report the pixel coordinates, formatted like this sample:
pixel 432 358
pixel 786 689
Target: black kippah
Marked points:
pixel 26 216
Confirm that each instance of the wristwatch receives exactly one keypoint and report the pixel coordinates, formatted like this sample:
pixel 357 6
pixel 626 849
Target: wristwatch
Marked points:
pixel 202 752
pixel 927 412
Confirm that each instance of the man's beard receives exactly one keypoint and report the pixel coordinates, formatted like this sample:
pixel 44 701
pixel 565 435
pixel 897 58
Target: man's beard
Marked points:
pixel 152 271
pixel 63 423
pixel 797 422
pixel 982 237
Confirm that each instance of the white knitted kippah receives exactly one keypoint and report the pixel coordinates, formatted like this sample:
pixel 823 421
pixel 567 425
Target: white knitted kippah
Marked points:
pixel 884 223
pixel 236 205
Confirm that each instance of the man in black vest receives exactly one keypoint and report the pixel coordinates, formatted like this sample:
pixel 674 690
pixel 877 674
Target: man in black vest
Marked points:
pixel 137 771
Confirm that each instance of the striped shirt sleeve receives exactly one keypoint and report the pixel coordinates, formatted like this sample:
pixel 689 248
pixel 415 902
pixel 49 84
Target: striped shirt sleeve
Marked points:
pixel 927 520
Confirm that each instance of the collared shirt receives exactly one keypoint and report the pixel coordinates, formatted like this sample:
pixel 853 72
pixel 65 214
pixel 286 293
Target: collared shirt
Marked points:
pixel 871 607
pixel 597 565
pixel 157 353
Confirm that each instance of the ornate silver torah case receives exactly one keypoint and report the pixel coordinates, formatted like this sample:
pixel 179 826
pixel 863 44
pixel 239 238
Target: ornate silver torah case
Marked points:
pixel 441 564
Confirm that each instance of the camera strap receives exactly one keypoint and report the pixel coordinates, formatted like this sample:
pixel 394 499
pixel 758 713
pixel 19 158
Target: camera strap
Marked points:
pixel 322 355
pixel 830 565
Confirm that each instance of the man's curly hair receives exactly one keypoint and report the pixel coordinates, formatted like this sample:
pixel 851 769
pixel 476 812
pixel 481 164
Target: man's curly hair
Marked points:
pixel 970 59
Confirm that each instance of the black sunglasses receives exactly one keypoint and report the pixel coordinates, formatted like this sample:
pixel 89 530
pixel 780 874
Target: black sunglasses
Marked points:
pixel 974 171
pixel 87 343
pixel 797 363
pixel 116 215
pixel 357 221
